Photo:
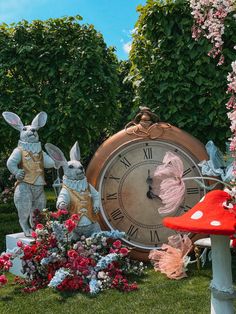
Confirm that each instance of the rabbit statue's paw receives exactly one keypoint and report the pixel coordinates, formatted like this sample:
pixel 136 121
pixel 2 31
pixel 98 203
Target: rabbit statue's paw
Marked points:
pixel 20 175
pixel 62 205
pixel 28 232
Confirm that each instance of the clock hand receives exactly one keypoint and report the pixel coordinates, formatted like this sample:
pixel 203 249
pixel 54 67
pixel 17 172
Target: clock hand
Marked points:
pixel 150 194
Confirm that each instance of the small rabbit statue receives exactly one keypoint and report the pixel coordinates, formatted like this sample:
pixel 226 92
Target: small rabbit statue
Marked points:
pixel 27 163
pixel 76 195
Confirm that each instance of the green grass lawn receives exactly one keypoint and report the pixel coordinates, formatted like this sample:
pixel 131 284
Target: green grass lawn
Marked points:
pixel 156 293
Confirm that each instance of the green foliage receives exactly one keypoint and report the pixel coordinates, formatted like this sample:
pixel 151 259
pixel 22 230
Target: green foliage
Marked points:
pixel 63 68
pixel 125 97
pixel 172 70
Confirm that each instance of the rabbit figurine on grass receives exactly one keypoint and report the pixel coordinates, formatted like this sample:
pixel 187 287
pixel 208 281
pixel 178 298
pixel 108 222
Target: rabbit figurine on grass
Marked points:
pixel 27 163
pixel 76 195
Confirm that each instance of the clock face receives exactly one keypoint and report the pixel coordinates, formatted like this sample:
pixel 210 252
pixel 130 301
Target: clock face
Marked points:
pixel 125 194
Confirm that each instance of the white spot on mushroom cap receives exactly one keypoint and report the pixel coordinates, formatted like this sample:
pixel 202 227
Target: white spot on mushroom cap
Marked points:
pixel 197 215
pixel 215 223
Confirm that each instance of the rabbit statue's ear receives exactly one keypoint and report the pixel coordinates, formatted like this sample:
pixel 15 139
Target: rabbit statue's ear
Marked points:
pixel 75 152
pixel 13 119
pixel 56 154
pixel 40 120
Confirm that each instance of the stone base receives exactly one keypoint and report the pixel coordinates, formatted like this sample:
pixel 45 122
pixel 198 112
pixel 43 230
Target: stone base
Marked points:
pixel 11 243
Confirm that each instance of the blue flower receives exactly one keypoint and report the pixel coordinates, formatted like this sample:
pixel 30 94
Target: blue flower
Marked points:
pixel 114 234
pixel 59 230
pixel 59 276
pixel 216 165
pixel 106 260
pixel 93 286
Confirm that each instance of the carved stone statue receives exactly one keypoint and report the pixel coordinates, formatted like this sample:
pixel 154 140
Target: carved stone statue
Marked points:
pixel 27 163
pixel 76 195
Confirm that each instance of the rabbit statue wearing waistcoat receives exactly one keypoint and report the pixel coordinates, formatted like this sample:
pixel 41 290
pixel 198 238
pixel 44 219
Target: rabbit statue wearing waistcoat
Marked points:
pixel 27 163
pixel 76 195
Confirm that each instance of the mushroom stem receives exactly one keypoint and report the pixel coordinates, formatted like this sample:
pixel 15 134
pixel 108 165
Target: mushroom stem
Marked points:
pixel 222 291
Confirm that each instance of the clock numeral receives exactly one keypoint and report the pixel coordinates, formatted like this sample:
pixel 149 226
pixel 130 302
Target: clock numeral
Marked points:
pixel 187 171
pixel 132 231
pixel 154 236
pixel 117 214
pixel 112 196
pixel 114 178
pixel 125 162
pixel 147 153
pixel 192 190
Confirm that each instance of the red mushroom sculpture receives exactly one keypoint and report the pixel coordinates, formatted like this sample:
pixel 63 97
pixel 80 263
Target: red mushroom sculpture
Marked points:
pixel 216 216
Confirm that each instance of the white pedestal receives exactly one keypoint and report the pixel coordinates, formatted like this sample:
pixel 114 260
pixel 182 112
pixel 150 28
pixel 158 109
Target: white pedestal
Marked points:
pixel 11 243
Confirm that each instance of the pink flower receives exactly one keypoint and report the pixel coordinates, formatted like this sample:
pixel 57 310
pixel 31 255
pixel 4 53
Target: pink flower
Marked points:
pixel 3 280
pixel 70 225
pixel 117 244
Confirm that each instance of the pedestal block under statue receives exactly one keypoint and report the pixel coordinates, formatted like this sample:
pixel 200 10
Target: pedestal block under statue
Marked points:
pixel 27 163
pixel 76 195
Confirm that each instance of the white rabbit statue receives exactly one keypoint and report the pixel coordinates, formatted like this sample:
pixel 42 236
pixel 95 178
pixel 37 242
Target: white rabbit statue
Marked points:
pixel 27 163
pixel 76 195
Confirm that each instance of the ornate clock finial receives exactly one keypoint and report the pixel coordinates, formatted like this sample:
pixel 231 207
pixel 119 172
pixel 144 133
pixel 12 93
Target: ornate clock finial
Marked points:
pixel 144 123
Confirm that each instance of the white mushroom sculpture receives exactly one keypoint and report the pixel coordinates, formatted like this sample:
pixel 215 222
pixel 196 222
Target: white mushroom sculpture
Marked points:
pixel 214 215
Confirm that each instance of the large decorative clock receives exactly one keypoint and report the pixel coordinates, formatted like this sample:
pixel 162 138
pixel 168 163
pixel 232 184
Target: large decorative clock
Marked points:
pixel 122 170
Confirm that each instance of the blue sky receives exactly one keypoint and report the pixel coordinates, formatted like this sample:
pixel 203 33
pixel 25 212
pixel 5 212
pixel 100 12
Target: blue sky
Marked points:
pixel 115 19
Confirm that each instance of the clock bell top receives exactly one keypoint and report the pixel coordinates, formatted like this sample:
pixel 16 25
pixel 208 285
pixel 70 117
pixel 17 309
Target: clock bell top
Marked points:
pixel 146 124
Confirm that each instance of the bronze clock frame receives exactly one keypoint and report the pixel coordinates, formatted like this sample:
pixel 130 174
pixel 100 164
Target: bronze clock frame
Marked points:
pixel 144 127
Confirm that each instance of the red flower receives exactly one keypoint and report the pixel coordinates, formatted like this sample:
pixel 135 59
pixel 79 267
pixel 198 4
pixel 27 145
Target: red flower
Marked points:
pixel 19 243
pixel 59 213
pixel 124 251
pixel 72 254
pixel 75 217
pixel 63 212
pixel 34 234
pixel 27 249
pixel 39 226
pixel 70 225
pixel 117 244
pixel 3 280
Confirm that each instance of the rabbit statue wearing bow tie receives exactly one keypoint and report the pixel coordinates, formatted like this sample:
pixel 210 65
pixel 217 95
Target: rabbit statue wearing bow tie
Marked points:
pixel 76 195
pixel 27 163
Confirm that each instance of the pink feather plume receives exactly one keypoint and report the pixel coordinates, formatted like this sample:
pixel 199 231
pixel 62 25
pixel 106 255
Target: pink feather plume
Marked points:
pixel 171 259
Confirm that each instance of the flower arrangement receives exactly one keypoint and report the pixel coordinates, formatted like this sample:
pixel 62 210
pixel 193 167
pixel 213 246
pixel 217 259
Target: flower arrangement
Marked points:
pixel 88 264
pixel 5 264
pixel 209 18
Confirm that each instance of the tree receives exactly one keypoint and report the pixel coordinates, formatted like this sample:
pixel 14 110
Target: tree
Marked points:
pixel 61 67
pixel 173 72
